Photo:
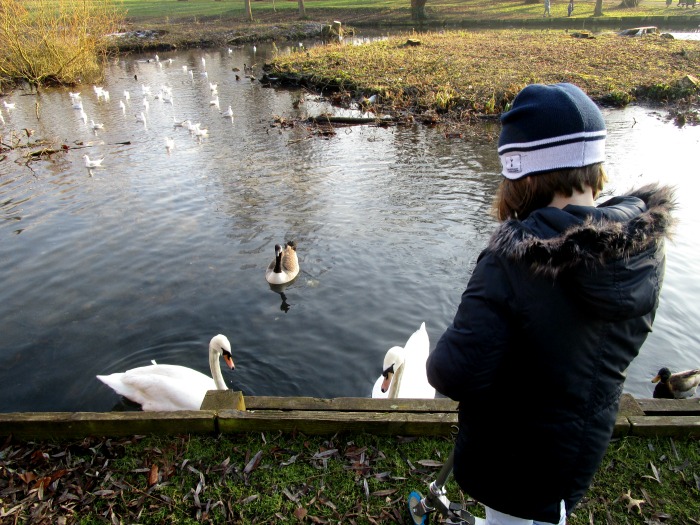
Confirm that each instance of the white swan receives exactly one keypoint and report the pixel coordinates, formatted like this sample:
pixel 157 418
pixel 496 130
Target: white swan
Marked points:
pixel 404 373
pixel 172 387
pixel 285 266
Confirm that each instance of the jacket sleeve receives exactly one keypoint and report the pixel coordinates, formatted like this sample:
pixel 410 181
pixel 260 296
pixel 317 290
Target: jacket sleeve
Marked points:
pixel 468 354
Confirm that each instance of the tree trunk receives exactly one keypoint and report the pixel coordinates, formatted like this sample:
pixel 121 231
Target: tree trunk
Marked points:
pixel 248 11
pixel 302 9
pixel 598 11
pixel 418 9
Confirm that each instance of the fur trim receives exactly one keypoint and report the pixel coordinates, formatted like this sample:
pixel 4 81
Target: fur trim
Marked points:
pixel 594 242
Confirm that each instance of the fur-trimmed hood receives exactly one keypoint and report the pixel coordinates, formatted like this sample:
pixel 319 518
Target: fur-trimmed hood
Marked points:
pixel 618 248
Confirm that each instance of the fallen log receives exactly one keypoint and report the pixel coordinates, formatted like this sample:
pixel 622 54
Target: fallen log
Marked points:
pixel 329 119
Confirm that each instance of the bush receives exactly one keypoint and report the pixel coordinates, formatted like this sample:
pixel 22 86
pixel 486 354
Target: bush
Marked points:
pixel 55 41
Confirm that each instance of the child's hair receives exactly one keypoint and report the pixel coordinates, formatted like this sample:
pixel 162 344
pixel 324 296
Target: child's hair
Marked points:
pixel 516 199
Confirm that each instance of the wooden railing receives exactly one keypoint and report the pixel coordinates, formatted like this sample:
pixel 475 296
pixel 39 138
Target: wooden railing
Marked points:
pixel 231 412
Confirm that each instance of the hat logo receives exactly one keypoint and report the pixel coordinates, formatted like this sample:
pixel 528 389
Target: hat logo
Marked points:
pixel 512 164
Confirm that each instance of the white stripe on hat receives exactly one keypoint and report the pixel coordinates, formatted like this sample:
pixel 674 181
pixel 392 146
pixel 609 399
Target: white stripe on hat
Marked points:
pixel 521 160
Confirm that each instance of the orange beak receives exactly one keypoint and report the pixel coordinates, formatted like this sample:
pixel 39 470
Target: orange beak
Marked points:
pixel 387 382
pixel 229 362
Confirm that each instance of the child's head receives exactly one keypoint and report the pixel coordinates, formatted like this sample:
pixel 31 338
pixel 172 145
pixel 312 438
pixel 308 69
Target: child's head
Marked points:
pixel 552 141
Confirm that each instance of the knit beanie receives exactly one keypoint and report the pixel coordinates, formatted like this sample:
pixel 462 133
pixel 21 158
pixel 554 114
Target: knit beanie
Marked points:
pixel 550 127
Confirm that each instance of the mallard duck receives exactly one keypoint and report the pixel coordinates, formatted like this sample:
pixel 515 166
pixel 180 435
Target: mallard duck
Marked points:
pixel 680 385
pixel 172 387
pixel 285 267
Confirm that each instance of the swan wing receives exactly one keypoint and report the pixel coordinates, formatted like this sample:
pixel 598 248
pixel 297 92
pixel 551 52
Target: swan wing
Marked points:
pixel 161 387
pixel 414 383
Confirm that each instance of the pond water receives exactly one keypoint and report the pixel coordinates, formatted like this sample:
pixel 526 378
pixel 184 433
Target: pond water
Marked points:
pixel 151 255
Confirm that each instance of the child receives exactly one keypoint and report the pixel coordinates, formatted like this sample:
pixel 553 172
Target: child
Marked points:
pixel 557 307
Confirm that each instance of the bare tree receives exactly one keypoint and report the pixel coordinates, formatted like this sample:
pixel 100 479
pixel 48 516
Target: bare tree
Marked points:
pixel 248 11
pixel 418 9
pixel 302 9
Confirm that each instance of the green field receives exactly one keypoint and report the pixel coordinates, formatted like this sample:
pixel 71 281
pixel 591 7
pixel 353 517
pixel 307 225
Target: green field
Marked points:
pixel 388 11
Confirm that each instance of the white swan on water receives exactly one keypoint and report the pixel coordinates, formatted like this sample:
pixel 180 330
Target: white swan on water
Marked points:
pixel 172 387
pixel 403 370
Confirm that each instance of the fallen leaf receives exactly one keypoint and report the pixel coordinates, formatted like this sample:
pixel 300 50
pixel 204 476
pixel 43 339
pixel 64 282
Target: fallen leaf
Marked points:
pixel 430 463
pixel 253 463
pixel 300 513
pixel 384 492
pixel 27 477
pixel 153 475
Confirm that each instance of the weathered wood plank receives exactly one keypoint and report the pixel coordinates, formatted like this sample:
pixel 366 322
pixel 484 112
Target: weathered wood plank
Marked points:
pixel 350 404
pixel 670 406
pixel 324 422
pixel 665 426
pixel 223 399
pixel 49 425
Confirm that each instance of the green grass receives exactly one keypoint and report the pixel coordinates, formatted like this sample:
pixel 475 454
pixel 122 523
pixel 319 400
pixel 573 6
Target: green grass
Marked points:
pixel 282 478
pixel 386 11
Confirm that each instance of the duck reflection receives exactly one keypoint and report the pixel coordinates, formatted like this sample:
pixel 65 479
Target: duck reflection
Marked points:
pixel 280 288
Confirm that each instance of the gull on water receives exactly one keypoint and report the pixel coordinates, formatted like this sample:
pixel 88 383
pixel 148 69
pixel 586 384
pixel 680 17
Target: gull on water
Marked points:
pixel 8 105
pixel 96 163
pixel 123 107
pixel 127 95
pixel 169 144
pixel 215 102
pixel 228 113
pixel 96 125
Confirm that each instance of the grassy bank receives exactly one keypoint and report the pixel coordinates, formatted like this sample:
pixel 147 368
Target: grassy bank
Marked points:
pixel 280 478
pixel 462 73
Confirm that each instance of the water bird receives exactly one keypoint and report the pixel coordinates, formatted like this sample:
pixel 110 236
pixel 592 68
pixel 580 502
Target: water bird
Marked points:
pixel 145 90
pixel 96 125
pixel 213 87
pixel 204 62
pixel 141 117
pixel 90 163
pixel 74 96
pixel 169 144
pixel 403 370
pixel 230 50
pixel 184 69
pixel 191 73
pixel 83 116
pixel 172 387
pixel 127 95
pixel 215 102
pixel 179 123
pixel 123 107
pixel 145 104
pixel 228 113
pixel 680 385
pixel 201 133
pixel 285 266
pixel 78 104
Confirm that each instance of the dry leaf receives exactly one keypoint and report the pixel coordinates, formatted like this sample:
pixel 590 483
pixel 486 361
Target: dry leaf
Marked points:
pixel 153 475
pixel 253 463
pixel 430 463
pixel 300 513
pixel 384 492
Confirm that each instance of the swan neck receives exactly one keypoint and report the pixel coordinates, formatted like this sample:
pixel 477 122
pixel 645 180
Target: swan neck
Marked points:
pixel 215 366
pixel 396 381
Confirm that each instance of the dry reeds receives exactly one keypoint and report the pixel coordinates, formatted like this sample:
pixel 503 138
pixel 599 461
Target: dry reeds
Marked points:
pixel 55 41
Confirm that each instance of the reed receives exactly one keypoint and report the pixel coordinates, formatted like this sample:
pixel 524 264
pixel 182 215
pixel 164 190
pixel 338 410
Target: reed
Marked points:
pixel 55 41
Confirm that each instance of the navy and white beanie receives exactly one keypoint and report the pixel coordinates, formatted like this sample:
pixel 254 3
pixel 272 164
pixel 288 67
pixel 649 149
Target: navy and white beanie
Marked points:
pixel 550 127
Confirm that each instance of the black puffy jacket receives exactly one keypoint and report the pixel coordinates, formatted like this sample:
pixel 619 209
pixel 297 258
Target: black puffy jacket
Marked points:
pixel 557 307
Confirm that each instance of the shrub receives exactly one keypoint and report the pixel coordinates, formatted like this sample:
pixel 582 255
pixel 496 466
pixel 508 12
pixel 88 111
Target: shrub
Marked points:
pixel 55 41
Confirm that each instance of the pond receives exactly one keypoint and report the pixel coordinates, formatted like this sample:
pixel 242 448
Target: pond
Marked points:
pixel 150 255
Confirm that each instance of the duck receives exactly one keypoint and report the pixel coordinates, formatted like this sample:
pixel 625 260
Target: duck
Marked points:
pixel 285 266
pixel 172 387
pixel 403 370
pixel 680 385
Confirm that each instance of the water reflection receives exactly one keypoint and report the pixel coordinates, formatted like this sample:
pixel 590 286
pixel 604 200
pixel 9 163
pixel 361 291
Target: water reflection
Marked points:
pixel 156 252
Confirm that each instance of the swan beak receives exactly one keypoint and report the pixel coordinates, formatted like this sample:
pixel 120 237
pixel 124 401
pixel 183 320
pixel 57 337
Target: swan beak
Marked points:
pixel 229 362
pixel 656 379
pixel 387 382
